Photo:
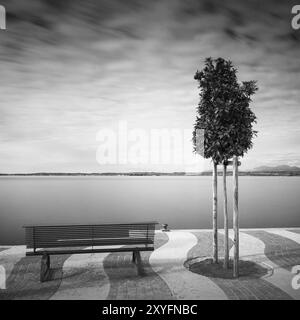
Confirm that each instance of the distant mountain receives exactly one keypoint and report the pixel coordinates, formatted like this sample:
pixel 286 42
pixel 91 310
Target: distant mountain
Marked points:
pixel 277 168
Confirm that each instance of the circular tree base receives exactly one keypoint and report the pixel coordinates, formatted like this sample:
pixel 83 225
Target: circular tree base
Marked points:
pixel 206 267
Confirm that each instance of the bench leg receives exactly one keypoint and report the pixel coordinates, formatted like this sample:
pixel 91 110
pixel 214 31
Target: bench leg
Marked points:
pixel 45 267
pixel 133 257
pixel 138 261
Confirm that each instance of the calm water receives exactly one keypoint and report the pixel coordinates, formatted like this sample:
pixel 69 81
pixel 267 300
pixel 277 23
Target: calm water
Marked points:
pixel 182 202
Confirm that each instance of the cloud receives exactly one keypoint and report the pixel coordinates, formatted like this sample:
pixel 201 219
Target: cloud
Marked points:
pixel 71 69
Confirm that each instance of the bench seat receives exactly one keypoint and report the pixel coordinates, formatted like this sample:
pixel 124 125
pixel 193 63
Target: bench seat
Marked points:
pixel 77 239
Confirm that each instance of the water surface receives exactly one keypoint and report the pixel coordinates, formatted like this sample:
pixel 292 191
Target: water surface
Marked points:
pixel 182 202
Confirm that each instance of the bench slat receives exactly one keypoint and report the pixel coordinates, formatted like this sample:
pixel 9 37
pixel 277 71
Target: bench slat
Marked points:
pixel 89 243
pixel 75 251
pixel 89 235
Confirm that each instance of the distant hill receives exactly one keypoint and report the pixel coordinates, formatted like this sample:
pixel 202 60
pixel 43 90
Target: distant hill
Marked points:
pixel 277 168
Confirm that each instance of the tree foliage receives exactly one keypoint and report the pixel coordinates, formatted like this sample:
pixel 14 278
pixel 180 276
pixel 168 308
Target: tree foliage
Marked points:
pixel 224 111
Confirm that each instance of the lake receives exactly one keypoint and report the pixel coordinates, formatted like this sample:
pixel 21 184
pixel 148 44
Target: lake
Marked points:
pixel 182 202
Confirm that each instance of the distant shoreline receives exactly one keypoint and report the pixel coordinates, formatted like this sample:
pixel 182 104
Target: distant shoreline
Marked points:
pixel 188 174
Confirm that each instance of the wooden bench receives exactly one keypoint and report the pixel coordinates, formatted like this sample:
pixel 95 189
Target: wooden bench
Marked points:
pixel 77 239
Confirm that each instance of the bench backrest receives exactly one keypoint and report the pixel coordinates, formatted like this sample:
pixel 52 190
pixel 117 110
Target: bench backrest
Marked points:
pixel 89 235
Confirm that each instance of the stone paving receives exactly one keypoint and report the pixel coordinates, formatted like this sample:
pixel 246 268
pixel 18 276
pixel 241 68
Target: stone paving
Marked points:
pixel 83 271
pixel 283 252
pixel 165 273
pixel 203 248
pixel 244 288
pixel 125 283
pixel 24 280
pixel 295 230
pixel 168 262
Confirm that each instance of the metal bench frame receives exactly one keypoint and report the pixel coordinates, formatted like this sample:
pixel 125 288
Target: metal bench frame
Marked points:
pixel 45 240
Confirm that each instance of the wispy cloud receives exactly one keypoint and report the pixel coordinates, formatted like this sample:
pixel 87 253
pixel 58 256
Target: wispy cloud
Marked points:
pixel 70 68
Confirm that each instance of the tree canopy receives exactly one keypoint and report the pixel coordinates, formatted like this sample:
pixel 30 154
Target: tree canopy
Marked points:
pixel 224 111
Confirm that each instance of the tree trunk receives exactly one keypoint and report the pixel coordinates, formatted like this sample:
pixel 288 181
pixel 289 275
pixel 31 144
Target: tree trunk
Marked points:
pixel 226 248
pixel 235 218
pixel 215 213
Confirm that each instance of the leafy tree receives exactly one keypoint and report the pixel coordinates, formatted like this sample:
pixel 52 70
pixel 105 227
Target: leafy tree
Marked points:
pixel 225 115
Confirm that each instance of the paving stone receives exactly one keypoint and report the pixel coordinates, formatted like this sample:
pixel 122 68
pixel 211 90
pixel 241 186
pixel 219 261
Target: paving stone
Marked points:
pixel 281 251
pixel 241 288
pixel 126 283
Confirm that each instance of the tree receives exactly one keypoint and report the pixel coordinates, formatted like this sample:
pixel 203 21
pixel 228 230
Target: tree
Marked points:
pixel 227 120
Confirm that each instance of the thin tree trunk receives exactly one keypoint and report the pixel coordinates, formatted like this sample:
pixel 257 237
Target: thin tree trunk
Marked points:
pixel 215 213
pixel 226 248
pixel 235 218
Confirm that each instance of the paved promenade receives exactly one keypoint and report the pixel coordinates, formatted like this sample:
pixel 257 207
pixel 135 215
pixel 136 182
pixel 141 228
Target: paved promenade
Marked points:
pixel 165 270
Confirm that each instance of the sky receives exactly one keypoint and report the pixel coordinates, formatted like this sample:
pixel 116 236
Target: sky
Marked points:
pixel 72 69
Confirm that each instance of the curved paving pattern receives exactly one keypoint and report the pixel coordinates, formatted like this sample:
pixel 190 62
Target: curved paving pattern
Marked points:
pixel 23 281
pixel 8 258
pixel 286 234
pixel 125 283
pixel 168 262
pixel 83 278
pixel 203 248
pixel 295 230
pixel 283 252
pixel 253 288
pixel 113 276
pixel 259 251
